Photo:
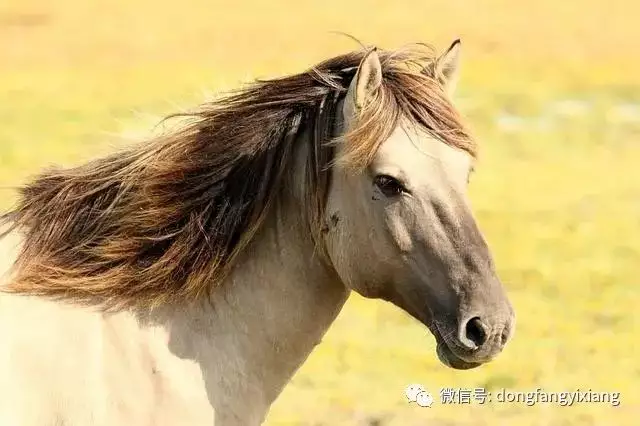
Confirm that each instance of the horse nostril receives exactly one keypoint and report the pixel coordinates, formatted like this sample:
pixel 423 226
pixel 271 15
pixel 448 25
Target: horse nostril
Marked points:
pixel 476 331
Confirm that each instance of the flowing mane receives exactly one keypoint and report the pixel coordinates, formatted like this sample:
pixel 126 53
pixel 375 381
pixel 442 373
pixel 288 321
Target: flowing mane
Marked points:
pixel 164 220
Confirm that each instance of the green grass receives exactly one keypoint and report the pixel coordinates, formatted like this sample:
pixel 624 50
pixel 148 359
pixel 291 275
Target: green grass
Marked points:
pixel 558 198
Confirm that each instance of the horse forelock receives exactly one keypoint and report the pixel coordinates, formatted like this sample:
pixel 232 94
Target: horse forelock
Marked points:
pixel 165 220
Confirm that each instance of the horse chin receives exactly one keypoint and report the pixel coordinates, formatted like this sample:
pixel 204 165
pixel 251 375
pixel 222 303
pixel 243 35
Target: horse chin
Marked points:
pixel 448 358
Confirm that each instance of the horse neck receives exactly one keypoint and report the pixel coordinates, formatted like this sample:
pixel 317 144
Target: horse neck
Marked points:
pixel 269 314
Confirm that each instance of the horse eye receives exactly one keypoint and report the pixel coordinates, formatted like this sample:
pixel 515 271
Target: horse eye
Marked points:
pixel 389 186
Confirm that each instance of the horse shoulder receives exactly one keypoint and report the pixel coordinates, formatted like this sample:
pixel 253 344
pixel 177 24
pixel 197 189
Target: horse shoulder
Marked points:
pixel 67 365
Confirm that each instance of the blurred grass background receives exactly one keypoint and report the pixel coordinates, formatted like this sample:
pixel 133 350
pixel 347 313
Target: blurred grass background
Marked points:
pixel 552 91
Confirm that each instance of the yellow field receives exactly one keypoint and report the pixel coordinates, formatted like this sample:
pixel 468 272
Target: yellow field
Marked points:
pixel 552 90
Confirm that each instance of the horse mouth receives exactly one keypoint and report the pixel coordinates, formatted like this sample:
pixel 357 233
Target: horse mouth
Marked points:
pixel 447 356
pixel 451 360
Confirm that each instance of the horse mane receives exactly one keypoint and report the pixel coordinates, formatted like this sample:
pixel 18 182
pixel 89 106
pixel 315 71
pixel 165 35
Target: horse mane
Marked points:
pixel 164 220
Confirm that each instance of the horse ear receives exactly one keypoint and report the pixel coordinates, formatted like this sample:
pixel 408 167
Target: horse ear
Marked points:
pixel 447 67
pixel 367 80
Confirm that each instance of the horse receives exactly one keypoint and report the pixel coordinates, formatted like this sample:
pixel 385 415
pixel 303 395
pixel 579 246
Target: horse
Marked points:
pixel 184 280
